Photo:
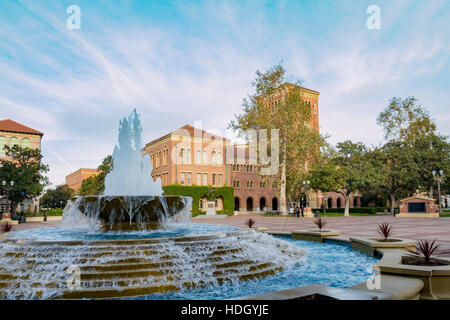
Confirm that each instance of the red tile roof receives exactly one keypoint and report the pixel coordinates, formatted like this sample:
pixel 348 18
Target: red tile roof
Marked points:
pixel 12 126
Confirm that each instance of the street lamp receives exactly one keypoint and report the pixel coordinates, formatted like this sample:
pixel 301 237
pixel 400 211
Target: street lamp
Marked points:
pixel 439 178
pixel 305 187
pixel 4 184
pixel 325 205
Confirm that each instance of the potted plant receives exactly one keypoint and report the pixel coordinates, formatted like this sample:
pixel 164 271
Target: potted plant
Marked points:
pixel 7 226
pixel 370 245
pixel 425 249
pixel 250 222
pixel 320 223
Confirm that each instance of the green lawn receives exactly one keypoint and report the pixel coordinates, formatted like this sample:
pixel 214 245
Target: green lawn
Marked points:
pixel 336 214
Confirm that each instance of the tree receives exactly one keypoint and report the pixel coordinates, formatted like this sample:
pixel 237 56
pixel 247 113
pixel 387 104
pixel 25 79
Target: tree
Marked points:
pixel 291 116
pixel 96 185
pixel 404 120
pixel 397 169
pixel 431 152
pixel 26 170
pixel 56 198
pixel 346 170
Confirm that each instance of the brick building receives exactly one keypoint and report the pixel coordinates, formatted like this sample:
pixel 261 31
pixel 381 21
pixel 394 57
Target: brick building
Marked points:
pixel 75 179
pixel 13 133
pixel 191 156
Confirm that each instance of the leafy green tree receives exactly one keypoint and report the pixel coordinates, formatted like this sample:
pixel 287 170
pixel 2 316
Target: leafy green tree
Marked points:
pixel 291 116
pixel 57 197
pixel 404 120
pixel 346 170
pixel 96 185
pixel 397 169
pixel 431 152
pixel 26 170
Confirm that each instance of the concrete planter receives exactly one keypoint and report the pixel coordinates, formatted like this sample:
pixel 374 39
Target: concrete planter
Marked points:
pixel 314 235
pixel 370 245
pixel 40 219
pixel 436 279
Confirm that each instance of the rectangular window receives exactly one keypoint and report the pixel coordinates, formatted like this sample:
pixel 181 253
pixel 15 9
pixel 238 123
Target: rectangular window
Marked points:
pixel 199 179
pixel 189 178
pixel 199 159
pixel 205 179
pixel 219 182
pixel 181 177
pixel 214 179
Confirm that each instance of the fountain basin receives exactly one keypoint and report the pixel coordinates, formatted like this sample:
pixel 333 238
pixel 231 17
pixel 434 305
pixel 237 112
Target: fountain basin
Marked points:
pixel 125 213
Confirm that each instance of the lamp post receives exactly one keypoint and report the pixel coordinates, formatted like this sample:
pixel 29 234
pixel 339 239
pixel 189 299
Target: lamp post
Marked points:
pixel 325 205
pixel 306 187
pixel 7 187
pixel 439 177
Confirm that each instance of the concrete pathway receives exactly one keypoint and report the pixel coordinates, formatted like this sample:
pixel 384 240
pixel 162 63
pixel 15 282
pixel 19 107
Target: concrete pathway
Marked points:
pixel 409 228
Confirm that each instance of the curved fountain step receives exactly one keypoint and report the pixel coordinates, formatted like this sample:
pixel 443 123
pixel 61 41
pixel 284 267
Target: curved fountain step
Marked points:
pixel 188 240
pixel 131 288
pixel 133 267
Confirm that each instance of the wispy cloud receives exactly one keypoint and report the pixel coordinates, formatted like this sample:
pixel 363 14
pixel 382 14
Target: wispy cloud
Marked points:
pixel 178 62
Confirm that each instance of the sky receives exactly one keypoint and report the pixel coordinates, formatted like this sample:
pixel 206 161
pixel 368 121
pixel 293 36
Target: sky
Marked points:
pixel 180 62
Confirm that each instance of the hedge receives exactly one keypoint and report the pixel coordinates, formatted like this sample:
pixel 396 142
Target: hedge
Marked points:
pixel 371 210
pixel 199 192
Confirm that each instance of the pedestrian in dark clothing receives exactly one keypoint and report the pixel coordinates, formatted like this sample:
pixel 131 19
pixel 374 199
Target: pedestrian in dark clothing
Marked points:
pixel 296 211
pixel 302 209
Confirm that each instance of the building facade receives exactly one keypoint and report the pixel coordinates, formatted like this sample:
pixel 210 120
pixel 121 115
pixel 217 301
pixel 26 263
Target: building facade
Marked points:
pixel 13 133
pixel 191 156
pixel 75 179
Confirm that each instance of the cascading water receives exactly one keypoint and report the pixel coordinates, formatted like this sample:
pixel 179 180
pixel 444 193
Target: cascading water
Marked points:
pixel 131 172
pixel 131 200
pixel 110 264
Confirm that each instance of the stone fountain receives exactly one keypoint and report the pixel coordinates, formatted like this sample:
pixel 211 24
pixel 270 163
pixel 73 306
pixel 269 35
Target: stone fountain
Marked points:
pixel 132 200
pixel 111 265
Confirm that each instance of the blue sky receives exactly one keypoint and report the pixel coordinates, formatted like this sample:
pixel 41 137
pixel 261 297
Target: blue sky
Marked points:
pixel 179 62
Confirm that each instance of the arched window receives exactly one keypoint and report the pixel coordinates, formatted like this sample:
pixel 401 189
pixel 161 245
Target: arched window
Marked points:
pixel 188 156
pixel 199 157
pixel 182 155
pixel 219 157
pixel 25 143
pixel 274 204
pixel 213 157
pixel 13 141
pixel 205 160
pixel 2 145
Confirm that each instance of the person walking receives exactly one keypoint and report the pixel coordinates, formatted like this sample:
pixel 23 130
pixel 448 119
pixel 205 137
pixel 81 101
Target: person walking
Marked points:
pixel 302 209
pixel 296 212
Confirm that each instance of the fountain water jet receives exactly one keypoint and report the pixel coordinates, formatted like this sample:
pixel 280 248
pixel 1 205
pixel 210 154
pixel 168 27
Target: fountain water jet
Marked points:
pixel 131 200
pixel 118 266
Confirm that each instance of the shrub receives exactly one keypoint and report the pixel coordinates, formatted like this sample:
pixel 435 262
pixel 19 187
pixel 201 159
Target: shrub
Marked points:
pixel 385 230
pixel 7 227
pixel 320 223
pixel 427 248
pixel 199 192
pixel 250 222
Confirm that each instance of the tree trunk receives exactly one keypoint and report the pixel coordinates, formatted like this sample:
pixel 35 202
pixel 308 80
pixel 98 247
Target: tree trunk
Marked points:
pixel 13 209
pixel 430 192
pixel 392 196
pixel 347 206
pixel 283 206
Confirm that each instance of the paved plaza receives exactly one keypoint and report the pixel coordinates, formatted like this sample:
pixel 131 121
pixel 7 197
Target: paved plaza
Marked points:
pixel 409 228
